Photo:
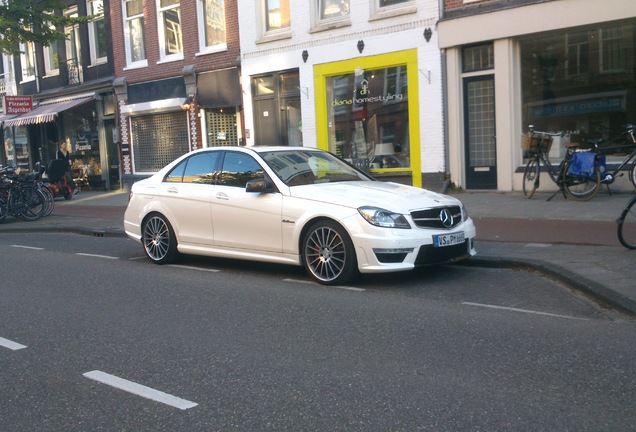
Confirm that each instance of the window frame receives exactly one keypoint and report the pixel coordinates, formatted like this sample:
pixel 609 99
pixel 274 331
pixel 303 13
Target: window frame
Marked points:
pixel 164 56
pixel 381 12
pixel 27 52
pixel 127 20
pixel 321 24
pixel 201 21
pixel 93 40
pixel 273 34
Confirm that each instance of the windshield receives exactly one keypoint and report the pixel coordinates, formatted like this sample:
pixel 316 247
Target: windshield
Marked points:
pixel 303 167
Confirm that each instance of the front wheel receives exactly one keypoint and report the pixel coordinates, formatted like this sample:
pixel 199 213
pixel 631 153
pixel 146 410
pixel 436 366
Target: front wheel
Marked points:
pixel 531 177
pixel 632 174
pixel 159 240
pixel 580 187
pixel 328 254
pixel 627 225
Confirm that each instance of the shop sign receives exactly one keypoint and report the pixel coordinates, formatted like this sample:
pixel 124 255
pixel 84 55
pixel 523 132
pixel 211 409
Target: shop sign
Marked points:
pixel 18 104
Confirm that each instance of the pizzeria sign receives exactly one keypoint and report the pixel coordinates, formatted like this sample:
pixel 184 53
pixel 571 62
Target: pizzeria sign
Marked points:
pixel 18 104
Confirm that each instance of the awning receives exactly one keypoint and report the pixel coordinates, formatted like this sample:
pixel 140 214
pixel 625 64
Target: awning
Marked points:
pixel 5 117
pixel 219 89
pixel 46 111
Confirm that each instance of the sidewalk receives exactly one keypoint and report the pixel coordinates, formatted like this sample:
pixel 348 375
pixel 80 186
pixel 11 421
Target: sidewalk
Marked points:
pixel 574 242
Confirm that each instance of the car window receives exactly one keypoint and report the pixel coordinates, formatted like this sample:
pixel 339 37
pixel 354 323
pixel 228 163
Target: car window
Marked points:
pixel 239 168
pixel 199 168
pixel 176 174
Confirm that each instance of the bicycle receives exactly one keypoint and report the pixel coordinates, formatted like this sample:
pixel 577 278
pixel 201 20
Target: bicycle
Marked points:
pixel 627 225
pixel 626 140
pixel 578 182
pixel 19 197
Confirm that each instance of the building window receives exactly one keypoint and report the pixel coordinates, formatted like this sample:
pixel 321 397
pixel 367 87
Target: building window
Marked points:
pixel 478 57
pixel 612 50
pixel 97 31
pixel 327 14
pixel 72 68
pixel 27 61
pixel 277 16
pixel 169 23
pixel 134 30
pixel 51 60
pixel 212 35
pixel 577 55
pixel 389 8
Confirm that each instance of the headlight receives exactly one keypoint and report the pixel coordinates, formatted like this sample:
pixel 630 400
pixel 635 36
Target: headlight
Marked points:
pixel 384 218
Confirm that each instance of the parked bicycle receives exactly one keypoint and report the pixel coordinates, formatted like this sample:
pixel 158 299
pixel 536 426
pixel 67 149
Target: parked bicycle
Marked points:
pixel 576 175
pixel 624 143
pixel 19 197
pixel 627 225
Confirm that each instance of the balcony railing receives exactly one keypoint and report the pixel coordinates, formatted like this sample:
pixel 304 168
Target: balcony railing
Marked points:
pixel 70 72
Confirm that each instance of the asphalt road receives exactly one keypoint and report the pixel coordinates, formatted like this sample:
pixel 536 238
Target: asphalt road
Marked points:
pixel 222 345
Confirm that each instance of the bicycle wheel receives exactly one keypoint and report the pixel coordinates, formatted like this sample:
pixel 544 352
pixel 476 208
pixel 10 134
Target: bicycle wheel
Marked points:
pixel 627 225
pixel 632 174
pixel 580 187
pixel 49 199
pixel 28 203
pixel 531 177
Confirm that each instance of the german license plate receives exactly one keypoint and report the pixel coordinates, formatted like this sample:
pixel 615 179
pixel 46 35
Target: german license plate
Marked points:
pixel 443 240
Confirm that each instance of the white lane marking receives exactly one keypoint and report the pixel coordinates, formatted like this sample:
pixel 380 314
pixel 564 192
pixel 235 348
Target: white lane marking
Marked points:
pixel 524 311
pixel 137 258
pixel 97 256
pixel 10 344
pixel 27 247
pixel 139 390
pixel 348 288
pixel 193 268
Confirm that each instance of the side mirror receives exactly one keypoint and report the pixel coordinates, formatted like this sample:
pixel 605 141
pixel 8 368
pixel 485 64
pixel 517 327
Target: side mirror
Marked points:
pixel 261 185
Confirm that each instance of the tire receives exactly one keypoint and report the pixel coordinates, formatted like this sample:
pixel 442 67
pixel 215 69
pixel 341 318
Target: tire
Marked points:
pixel 632 174
pixel 49 199
pixel 4 208
pixel 627 225
pixel 28 203
pixel 328 254
pixel 159 240
pixel 531 177
pixel 580 188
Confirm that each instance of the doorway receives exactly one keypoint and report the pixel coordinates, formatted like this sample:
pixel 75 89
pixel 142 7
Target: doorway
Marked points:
pixel 480 139
pixel 277 115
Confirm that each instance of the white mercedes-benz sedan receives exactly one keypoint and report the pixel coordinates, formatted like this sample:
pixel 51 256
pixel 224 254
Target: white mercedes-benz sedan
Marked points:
pixel 293 205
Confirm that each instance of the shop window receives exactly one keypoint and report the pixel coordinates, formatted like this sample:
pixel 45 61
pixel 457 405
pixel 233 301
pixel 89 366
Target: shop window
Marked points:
pixel 97 31
pixel 368 114
pixel 212 35
pixel 170 39
pixel 578 81
pixel 158 140
pixel 134 33
pixel 478 57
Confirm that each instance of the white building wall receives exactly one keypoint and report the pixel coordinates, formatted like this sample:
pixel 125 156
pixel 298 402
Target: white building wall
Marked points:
pixel 380 36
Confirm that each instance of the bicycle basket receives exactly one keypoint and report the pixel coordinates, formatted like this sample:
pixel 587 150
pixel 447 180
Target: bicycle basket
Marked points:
pixel 534 143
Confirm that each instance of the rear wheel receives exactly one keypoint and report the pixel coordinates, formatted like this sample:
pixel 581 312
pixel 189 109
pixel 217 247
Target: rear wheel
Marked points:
pixel 531 177
pixel 328 254
pixel 28 203
pixel 581 187
pixel 627 226
pixel 159 240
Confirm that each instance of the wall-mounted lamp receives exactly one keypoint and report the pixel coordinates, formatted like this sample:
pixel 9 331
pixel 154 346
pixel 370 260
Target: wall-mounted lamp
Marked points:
pixel 305 56
pixel 188 103
pixel 360 46
pixel 428 33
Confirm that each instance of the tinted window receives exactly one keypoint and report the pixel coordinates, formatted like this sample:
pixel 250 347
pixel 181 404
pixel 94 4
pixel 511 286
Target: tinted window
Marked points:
pixel 199 168
pixel 240 168
pixel 176 175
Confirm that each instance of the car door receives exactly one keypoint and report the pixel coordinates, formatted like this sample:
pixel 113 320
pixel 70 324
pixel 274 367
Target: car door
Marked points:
pixel 245 220
pixel 186 193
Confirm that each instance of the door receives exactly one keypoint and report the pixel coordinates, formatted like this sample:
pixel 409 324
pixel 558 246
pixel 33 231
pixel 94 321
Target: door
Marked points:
pixel 267 131
pixel 479 125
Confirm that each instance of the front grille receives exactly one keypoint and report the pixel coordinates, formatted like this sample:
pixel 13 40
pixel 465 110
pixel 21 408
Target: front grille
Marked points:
pixel 430 218
pixel 429 254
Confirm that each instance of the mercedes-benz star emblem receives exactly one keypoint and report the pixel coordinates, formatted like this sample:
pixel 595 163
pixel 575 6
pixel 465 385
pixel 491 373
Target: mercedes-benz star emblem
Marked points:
pixel 446 218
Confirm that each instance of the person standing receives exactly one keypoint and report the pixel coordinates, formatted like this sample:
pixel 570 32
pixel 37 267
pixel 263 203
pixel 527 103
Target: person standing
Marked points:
pixel 63 153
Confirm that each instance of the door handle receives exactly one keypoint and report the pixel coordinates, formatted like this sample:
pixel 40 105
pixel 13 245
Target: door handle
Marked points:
pixel 222 196
pixel 173 190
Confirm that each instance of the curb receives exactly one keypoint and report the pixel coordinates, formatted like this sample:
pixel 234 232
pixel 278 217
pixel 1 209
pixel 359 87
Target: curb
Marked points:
pixel 560 274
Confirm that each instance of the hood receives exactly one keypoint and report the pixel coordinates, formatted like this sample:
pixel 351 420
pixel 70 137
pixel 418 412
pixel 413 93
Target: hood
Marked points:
pixel 389 196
